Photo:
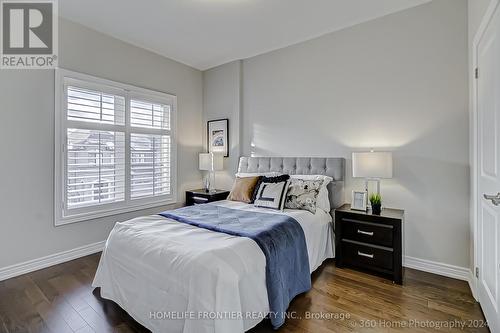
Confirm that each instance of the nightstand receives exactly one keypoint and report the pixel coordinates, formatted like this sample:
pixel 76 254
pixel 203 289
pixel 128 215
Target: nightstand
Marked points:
pixel 370 242
pixel 200 196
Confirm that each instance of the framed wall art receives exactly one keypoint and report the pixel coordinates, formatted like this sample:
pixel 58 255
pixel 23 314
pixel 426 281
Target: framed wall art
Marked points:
pixel 218 136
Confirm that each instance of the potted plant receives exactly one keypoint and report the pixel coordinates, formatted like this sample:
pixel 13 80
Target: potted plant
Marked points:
pixel 376 201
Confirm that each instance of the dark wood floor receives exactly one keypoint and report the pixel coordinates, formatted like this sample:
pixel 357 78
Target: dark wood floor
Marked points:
pixel 60 299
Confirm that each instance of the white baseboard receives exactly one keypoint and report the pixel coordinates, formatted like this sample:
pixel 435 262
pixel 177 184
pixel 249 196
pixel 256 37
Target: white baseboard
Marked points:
pixel 50 260
pixel 456 272
pixel 472 285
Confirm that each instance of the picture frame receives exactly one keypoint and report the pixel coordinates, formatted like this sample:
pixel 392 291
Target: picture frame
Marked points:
pixel 359 200
pixel 218 136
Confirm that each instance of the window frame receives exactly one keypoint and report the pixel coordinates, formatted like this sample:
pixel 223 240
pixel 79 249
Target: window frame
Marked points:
pixel 62 214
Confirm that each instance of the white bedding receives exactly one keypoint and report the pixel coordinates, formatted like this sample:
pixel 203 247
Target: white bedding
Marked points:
pixel 174 277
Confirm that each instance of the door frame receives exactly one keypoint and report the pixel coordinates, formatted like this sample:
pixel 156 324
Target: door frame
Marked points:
pixel 488 16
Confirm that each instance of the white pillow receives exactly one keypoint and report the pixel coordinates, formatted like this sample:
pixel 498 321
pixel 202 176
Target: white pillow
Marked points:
pixel 256 174
pixel 327 179
pixel 322 202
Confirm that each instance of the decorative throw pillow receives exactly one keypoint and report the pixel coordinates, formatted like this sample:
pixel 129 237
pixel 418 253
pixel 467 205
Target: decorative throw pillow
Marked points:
pixel 243 189
pixel 272 195
pixel 303 194
pixel 323 200
pixel 265 179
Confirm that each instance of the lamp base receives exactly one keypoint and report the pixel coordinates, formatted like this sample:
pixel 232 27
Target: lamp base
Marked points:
pixel 375 180
pixel 210 183
pixel 206 183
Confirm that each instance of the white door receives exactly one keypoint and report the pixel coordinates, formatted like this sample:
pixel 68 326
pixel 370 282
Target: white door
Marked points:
pixel 488 106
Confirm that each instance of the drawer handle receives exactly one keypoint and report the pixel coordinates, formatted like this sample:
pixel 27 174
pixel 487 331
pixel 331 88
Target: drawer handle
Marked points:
pixel 365 255
pixel 365 232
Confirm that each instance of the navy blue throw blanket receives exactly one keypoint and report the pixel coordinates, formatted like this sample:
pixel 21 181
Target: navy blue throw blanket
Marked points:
pixel 280 237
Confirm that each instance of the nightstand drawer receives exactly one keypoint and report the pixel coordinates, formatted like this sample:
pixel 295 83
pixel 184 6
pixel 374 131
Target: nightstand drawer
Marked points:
pixel 367 232
pixel 366 256
pixel 199 200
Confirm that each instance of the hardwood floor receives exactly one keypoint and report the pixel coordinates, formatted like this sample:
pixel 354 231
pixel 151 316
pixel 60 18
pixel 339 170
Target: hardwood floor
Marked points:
pixel 60 299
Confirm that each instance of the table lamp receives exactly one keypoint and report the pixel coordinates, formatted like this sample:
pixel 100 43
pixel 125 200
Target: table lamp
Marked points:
pixel 211 162
pixel 372 166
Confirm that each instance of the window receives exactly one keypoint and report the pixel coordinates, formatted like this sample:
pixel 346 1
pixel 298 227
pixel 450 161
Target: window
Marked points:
pixel 115 148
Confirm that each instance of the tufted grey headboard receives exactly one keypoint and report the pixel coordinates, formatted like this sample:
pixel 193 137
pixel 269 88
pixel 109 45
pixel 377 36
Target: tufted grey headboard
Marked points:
pixel 329 166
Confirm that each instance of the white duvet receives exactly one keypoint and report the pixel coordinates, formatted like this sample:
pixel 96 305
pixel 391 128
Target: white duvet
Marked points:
pixel 174 277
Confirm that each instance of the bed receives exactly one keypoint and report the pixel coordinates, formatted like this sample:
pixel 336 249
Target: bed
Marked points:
pixel 176 277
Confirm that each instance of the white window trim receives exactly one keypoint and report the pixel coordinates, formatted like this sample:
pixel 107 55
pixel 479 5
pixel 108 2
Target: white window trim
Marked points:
pixel 60 139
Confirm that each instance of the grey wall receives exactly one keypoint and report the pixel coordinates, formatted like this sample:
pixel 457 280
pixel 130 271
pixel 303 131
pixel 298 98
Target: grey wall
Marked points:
pixel 27 145
pixel 222 99
pixel 476 11
pixel 396 83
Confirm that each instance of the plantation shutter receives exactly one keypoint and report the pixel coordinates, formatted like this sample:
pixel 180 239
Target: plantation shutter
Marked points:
pixel 95 147
pixel 150 150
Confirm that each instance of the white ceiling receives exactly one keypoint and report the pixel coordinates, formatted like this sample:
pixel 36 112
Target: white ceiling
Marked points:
pixel 208 33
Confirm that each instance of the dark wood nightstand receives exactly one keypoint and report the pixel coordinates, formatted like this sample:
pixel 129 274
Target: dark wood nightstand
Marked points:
pixel 370 242
pixel 201 196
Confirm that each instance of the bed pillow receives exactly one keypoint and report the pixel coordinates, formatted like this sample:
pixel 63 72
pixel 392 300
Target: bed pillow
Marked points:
pixel 272 195
pixel 323 200
pixel 243 189
pixel 269 179
pixel 303 194
pixel 256 174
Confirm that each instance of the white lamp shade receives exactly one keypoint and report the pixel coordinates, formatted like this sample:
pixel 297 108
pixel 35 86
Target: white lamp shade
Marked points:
pixel 218 161
pixel 211 161
pixel 372 165
pixel 205 161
